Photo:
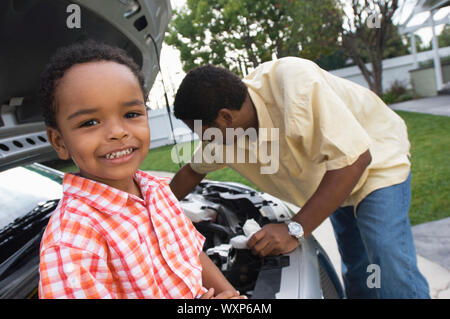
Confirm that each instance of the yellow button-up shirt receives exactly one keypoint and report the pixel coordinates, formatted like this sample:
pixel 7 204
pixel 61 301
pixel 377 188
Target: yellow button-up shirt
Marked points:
pixel 324 123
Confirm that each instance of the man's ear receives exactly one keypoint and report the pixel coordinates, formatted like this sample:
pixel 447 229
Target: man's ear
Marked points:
pixel 225 118
pixel 56 140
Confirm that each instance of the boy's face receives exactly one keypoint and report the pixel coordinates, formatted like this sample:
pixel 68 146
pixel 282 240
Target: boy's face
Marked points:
pixel 102 121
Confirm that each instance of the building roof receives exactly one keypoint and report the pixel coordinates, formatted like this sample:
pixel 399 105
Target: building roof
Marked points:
pixel 422 6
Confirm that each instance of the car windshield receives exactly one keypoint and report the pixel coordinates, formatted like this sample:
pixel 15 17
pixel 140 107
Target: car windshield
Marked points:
pixel 21 189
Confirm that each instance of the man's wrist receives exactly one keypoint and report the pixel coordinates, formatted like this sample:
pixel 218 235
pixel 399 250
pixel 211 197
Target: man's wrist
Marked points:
pixel 295 229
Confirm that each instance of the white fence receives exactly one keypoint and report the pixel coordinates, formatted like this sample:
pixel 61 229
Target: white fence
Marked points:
pixel 160 130
pixel 395 69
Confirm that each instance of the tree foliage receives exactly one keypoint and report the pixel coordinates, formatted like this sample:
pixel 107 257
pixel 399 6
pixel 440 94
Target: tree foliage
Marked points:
pixel 396 45
pixel 444 37
pixel 240 34
pixel 369 27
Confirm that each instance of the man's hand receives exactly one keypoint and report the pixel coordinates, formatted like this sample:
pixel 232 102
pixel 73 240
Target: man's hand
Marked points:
pixel 272 239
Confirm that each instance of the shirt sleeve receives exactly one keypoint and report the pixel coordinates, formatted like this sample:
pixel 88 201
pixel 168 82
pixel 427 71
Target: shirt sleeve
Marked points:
pixel 318 119
pixel 203 162
pixel 69 273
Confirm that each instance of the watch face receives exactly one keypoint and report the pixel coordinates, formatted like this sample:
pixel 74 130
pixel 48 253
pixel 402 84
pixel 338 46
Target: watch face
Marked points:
pixel 295 229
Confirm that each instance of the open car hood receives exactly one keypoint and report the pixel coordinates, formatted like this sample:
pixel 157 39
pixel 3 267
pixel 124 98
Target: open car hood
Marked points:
pixel 31 31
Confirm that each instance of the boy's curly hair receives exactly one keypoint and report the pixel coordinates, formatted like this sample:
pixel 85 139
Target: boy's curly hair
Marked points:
pixel 65 57
pixel 207 89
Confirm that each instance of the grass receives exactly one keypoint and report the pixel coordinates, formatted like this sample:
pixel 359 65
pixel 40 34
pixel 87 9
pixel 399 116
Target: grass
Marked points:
pixel 430 164
pixel 430 156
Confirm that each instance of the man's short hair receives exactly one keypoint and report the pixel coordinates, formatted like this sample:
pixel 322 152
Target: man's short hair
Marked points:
pixel 207 89
pixel 81 52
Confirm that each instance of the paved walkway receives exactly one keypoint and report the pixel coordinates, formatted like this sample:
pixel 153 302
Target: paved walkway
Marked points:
pixel 437 105
pixel 431 265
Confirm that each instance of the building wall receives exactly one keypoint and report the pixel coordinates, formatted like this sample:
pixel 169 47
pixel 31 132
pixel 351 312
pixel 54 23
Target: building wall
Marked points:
pixel 393 69
pixel 423 80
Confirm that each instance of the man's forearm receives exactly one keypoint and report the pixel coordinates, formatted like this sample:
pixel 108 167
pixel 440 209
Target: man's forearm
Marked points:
pixel 335 187
pixel 185 181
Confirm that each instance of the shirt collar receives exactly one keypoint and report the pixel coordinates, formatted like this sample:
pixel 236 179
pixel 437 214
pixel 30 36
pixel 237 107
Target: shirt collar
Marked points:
pixel 101 196
pixel 264 120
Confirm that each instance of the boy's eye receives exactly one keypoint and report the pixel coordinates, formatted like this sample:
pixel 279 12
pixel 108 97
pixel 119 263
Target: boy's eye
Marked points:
pixel 131 115
pixel 89 123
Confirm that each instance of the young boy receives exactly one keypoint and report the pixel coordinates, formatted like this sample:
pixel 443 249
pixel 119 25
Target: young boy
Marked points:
pixel 117 232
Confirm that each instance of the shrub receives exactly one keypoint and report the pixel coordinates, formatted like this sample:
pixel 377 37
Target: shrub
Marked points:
pixel 397 93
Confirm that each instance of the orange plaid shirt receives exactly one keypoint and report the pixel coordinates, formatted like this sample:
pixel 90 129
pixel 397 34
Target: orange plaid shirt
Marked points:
pixel 102 242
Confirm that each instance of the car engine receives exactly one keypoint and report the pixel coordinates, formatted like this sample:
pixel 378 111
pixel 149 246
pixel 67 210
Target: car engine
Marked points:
pixel 220 212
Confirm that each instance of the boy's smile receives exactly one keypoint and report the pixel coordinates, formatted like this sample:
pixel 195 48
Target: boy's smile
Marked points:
pixel 102 122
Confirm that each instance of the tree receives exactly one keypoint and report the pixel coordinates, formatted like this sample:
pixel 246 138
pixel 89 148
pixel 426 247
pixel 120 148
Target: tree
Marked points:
pixel 420 46
pixel 334 61
pixel 444 37
pixel 369 26
pixel 240 34
pixel 396 45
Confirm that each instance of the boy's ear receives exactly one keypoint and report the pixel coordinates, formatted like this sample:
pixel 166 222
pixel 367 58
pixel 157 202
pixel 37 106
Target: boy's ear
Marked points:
pixel 56 140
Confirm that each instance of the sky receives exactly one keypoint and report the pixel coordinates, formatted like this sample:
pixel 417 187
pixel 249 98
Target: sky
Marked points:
pixel 171 69
pixel 173 74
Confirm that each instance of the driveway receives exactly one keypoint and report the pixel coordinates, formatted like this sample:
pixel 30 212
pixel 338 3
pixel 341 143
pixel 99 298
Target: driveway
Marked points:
pixel 437 105
pixel 432 242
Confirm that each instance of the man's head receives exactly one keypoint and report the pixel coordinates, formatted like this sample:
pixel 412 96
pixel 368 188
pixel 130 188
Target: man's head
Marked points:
pixel 207 89
pixel 93 97
pixel 217 97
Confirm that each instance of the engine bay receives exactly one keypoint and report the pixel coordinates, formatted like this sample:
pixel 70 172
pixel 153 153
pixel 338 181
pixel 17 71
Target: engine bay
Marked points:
pixel 220 211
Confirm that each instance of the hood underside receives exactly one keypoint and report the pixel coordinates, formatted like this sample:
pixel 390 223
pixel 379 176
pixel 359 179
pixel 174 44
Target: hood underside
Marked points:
pixel 31 31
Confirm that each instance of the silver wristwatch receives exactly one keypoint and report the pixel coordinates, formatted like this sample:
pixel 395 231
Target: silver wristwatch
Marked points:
pixel 295 229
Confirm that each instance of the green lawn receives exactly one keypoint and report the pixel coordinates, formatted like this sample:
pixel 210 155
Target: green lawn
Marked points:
pixel 430 156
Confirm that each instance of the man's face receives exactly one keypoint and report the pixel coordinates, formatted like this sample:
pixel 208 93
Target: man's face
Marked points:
pixel 206 131
pixel 234 122
pixel 102 121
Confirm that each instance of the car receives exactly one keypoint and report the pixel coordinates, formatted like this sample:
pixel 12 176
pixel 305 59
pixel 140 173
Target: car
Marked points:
pixel 30 191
